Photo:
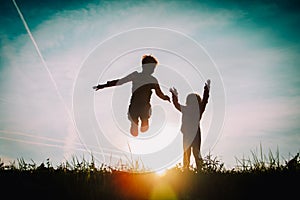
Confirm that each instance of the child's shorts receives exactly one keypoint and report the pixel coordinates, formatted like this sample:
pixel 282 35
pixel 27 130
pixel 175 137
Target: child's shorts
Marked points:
pixel 136 111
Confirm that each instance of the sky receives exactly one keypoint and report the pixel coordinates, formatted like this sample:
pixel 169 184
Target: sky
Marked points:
pixel 53 52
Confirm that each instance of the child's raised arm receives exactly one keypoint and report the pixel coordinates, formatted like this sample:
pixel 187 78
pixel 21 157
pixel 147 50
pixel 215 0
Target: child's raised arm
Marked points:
pixel 205 95
pixel 175 98
pixel 160 94
pixel 206 91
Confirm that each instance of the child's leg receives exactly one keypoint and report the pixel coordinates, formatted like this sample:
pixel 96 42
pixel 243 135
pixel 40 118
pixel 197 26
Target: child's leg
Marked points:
pixel 196 150
pixel 134 127
pixel 186 158
pixel 198 158
pixel 132 116
pixel 186 152
pixel 145 115
pixel 144 125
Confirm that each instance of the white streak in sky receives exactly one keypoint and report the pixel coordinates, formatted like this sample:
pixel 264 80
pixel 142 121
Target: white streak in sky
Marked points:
pixel 49 73
pixel 48 139
pixel 48 145
pixel 37 49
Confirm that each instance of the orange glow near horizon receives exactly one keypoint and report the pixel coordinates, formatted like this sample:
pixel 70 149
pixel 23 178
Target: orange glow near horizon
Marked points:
pixel 161 173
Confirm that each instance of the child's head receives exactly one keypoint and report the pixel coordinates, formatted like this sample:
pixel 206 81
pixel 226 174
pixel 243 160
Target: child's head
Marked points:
pixel 193 99
pixel 149 63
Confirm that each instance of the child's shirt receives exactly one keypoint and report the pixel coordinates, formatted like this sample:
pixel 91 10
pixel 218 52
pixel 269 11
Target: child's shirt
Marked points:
pixel 190 119
pixel 142 85
pixel 192 114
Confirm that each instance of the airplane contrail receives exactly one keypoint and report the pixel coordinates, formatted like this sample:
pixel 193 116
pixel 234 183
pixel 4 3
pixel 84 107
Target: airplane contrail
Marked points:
pixel 62 147
pixel 47 69
pixel 37 48
pixel 48 145
pixel 7 132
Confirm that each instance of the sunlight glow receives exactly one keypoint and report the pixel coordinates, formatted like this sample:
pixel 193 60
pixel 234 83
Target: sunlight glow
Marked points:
pixel 161 173
pixel 163 191
pixel 154 143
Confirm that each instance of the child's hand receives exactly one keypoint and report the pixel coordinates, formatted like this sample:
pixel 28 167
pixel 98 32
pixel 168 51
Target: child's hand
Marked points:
pixel 98 87
pixel 167 98
pixel 174 91
pixel 95 88
pixel 207 84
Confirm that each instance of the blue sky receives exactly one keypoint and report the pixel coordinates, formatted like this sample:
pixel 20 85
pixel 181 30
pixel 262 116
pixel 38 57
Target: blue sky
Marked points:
pixel 250 51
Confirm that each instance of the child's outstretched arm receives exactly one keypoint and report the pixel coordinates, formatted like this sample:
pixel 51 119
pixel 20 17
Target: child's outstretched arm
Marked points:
pixel 205 95
pixel 116 82
pixel 175 98
pixel 107 84
pixel 160 94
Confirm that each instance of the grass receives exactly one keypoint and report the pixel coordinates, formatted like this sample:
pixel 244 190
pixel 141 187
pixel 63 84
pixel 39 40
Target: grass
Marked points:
pixel 259 177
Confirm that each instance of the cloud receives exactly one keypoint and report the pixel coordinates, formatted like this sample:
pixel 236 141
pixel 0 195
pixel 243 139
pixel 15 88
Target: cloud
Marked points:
pixel 259 117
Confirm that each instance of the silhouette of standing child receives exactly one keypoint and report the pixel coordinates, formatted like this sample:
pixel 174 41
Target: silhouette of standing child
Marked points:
pixel 142 85
pixel 190 123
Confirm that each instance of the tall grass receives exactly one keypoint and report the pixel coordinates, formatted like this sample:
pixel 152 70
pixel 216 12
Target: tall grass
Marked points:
pixel 259 162
pixel 81 178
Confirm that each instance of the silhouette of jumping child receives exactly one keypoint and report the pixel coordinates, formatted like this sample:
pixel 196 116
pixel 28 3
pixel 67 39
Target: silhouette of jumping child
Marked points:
pixel 142 85
pixel 190 123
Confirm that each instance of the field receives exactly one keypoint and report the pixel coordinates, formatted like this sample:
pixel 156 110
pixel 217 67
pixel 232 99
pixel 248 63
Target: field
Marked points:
pixel 255 179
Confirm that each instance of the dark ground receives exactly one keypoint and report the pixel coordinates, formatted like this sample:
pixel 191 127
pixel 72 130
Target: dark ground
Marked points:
pixel 175 184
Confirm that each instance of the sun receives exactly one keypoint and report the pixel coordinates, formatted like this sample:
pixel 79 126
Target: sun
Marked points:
pixel 161 173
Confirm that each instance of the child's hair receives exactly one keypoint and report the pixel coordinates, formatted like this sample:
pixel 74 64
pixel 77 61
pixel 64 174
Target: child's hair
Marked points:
pixel 147 59
pixel 193 97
